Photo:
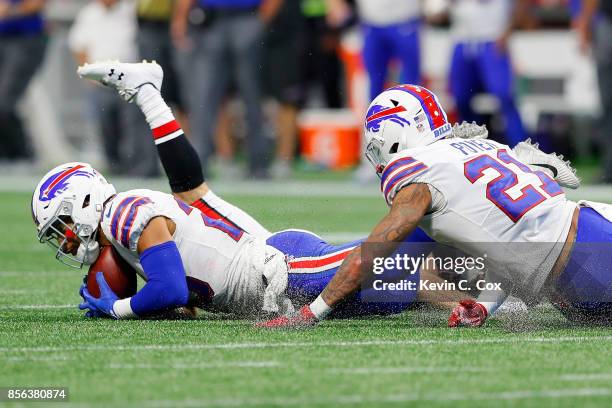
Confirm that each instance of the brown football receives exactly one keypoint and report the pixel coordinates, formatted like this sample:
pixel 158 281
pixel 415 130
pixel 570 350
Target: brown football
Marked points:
pixel 119 275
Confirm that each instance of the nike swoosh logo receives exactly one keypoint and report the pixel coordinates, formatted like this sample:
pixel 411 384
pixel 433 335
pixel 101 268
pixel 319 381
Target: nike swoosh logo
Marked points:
pixel 547 166
pixel 109 211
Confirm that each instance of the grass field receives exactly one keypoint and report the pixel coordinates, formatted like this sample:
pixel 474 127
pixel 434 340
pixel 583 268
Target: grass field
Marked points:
pixel 406 360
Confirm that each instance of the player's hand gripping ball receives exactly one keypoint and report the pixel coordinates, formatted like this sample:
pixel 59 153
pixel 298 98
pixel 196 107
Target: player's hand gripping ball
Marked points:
pixel 119 275
pixel 109 278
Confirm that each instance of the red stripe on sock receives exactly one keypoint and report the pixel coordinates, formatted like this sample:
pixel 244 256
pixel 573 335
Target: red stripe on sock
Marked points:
pixel 165 130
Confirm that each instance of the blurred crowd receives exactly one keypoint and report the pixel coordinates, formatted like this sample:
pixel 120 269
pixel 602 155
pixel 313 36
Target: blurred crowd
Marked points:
pixel 275 57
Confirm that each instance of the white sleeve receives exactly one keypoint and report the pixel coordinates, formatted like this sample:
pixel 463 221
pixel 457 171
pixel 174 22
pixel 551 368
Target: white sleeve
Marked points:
pixel 130 215
pixel 399 173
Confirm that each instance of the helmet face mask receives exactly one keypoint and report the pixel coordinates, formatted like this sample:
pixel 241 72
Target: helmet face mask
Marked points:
pixel 62 234
pixel 67 208
pixel 374 155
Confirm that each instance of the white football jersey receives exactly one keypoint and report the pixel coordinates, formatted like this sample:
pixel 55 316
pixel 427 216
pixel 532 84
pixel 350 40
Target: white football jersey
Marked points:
pixel 485 201
pixel 479 20
pixel 224 265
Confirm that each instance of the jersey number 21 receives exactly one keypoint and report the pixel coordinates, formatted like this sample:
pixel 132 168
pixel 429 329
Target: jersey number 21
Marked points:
pixel 497 189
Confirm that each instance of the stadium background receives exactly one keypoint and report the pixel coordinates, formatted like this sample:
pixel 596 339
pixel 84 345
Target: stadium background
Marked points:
pixel 555 85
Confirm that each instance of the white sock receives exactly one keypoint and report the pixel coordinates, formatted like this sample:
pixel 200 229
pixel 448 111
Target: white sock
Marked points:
pixel 319 308
pixel 153 106
pixel 157 114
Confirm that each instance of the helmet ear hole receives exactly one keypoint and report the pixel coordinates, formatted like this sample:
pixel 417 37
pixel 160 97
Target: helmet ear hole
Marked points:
pixel 394 148
pixel 86 201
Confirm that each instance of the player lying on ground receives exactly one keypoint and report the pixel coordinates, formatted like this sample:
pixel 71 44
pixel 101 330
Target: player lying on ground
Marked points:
pixel 211 248
pixel 480 198
pixel 207 246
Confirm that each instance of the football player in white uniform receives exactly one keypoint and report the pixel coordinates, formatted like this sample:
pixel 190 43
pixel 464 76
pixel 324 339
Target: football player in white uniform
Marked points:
pixel 177 248
pixel 477 196
pixel 209 249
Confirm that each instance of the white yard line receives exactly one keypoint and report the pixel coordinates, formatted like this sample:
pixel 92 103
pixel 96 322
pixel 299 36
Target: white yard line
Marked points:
pixel 586 377
pixel 16 291
pixel 36 307
pixel 182 366
pixel 32 292
pixel 9 274
pixel 407 370
pixel 335 400
pixel 358 343
pixel 27 359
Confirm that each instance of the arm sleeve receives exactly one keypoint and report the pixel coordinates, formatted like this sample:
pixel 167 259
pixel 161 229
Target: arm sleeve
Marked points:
pixel 166 286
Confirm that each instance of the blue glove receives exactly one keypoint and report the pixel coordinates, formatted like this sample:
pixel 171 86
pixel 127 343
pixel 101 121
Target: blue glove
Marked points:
pixel 102 306
pixel 90 313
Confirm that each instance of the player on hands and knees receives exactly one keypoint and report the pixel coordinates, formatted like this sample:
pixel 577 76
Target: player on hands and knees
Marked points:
pixel 466 193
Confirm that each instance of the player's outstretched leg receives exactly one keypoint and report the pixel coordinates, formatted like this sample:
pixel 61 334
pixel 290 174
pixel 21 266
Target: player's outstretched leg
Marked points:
pixel 314 262
pixel 141 83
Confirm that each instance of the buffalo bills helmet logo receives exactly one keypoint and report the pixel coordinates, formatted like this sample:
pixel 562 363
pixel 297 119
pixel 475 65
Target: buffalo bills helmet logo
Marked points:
pixel 60 181
pixel 378 113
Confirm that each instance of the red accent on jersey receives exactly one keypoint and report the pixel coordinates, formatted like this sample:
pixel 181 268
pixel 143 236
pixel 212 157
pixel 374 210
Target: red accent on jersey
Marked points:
pixel 165 130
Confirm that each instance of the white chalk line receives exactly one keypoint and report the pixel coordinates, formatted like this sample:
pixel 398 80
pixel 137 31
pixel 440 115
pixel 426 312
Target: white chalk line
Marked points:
pixel 196 366
pixel 36 307
pixel 14 291
pixel 27 359
pixel 23 274
pixel 408 370
pixel 586 377
pixel 364 343
pixel 395 398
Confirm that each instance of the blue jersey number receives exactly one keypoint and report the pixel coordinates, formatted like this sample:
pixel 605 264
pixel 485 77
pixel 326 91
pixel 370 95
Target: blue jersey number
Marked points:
pixel 497 189
pixel 234 232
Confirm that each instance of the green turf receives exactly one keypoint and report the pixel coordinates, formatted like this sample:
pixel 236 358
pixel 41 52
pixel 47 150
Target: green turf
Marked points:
pixel 407 360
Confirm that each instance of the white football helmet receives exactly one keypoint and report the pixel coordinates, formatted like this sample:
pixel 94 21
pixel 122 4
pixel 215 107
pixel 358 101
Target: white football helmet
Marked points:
pixel 402 117
pixel 68 204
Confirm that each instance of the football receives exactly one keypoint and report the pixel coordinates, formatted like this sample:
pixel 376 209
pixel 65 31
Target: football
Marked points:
pixel 119 275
